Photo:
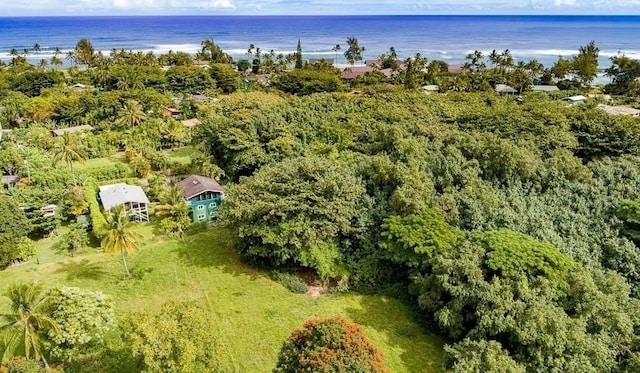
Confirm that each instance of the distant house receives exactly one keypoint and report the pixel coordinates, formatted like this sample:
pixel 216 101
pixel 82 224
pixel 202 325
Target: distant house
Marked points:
pixel 204 196
pixel 131 196
pixel 575 100
pixel 503 88
pixel 75 129
pixel 328 61
pixel 170 112
pixel 353 72
pixel 544 88
pixel 79 87
pixel 189 123
pixel 430 88
pixel 49 210
pixel 619 110
pixel 455 68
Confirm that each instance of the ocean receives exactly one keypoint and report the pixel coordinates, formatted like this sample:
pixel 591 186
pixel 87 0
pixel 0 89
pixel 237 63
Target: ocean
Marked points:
pixel 447 38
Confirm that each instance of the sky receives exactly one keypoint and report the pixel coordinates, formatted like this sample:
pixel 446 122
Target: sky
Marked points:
pixel 314 7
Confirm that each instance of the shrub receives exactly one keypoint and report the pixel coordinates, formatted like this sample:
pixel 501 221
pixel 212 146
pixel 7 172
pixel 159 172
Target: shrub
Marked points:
pixel 292 282
pixel 329 345
pixel 98 221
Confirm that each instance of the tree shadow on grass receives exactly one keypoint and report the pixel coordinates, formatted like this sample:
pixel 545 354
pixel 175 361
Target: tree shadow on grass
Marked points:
pixel 83 269
pixel 421 350
pixel 214 247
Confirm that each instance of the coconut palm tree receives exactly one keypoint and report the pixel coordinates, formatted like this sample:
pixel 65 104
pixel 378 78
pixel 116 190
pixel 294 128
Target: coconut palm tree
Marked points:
pixel 25 327
pixel 37 48
pixel 120 239
pixel 354 52
pixel 336 48
pixel 131 114
pixel 172 204
pixel 69 148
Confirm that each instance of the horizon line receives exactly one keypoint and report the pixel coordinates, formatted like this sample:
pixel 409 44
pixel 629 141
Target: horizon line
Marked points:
pixel 322 15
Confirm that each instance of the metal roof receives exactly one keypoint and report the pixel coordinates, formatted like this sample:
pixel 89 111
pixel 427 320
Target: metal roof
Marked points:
pixel 503 88
pixel 61 131
pixel 119 194
pixel 196 184
pixel 544 88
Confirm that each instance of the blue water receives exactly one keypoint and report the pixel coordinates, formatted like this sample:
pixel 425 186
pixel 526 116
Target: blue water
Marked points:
pixel 447 38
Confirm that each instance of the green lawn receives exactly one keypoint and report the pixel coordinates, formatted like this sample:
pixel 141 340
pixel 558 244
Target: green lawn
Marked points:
pixel 100 162
pixel 181 155
pixel 254 314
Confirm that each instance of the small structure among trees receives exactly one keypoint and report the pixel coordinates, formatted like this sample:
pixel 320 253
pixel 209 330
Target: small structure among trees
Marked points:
pixel 204 196
pixel 132 197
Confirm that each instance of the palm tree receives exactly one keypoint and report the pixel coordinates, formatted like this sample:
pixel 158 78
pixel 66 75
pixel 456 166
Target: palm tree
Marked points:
pixel 131 114
pixel 336 48
pixel 69 148
pixel 120 239
pixel 172 204
pixel 27 323
pixel 37 48
pixel 354 52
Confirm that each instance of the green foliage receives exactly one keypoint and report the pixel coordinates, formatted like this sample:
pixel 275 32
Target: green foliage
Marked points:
pixel 74 240
pixel 307 81
pixel 303 211
pixel 98 221
pixel 225 76
pixel 481 357
pixel 180 338
pixel 329 345
pixel 189 79
pixel 512 254
pixel 14 227
pixel 629 213
pixel 32 82
pixel 83 316
pixel 413 240
pixel 292 282
pixel 26 325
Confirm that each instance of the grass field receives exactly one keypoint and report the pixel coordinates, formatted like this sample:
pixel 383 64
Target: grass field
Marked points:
pixel 180 155
pixel 253 314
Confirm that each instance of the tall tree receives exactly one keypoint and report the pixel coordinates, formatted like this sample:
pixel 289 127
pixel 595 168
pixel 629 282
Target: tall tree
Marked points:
pixel 26 326
pixel 585 64
pixel 354 52
pixel 83 53
pixel 336 48
pixel 298 56
pixel 561 68
pixel 68 149
pixel 119 237
pixel 37 48
pixel 131 114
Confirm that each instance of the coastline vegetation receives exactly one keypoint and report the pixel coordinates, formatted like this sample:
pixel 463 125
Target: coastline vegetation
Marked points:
pixel 470 229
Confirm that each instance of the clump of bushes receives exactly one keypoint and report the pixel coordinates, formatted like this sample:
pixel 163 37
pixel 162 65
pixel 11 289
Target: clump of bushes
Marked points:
pixel 292 282
pixel 330 345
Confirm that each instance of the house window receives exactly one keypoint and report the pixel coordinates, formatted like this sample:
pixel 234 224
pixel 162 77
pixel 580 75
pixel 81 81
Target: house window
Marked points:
pixel 200 207
pixel 202 216
pixel 213 205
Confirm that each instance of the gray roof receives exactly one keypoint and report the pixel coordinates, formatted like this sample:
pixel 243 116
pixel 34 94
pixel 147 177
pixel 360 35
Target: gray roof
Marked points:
pixel 575 98
pixel 503 88
pixel 196 184
pixel 61 131
pixel 544 88
pixel 431 88
pixel 119 194
pixel 9 179
pixel 619 110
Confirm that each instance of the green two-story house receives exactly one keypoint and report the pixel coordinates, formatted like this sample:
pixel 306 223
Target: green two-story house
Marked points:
pixel 204 196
